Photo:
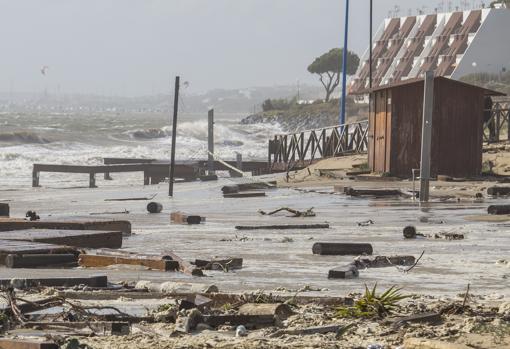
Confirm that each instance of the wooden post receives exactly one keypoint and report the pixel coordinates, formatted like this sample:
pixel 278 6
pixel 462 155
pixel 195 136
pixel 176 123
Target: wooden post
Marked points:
pixel 92 180
pixel 426 135
pixel 35 178
pixel 239 161
pixel 174 136
pixel 210 141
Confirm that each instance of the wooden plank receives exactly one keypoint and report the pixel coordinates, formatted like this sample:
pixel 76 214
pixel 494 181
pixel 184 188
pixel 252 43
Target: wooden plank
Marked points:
pixel 498 209
pixel 23 247
pixel 8 343
pixel 372 192
pixel 341 249
pixel 307 331
pixel 4 209
pixel 110 328
pixel 66 224
pixel 236 320
pixel 94 261
pixel 345 272
pixel 244 195
pixel 75 238
pixel 184 218
pixel 92 281
pixel 283 226
pixel 40 260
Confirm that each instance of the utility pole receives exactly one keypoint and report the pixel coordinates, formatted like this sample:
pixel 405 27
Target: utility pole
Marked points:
pixel 174 136
pixel 426 135
pixel 370 58
pixel 344 63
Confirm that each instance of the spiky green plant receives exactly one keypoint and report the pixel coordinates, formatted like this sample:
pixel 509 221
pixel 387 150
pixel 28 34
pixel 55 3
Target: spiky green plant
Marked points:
pixel 374 305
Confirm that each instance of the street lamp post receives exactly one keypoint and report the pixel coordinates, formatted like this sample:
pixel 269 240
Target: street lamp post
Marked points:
pixel 344 63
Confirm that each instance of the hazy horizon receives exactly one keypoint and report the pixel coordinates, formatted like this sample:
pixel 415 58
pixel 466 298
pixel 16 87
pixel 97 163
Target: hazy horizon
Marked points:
pixel 135 47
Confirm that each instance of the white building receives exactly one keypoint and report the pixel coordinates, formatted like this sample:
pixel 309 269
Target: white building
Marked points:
pixel 453 44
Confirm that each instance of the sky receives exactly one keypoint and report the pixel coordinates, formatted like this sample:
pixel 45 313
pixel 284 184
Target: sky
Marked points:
pixel 136 47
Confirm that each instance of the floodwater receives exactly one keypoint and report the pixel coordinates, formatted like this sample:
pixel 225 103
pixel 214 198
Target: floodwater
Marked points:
pixel 270 263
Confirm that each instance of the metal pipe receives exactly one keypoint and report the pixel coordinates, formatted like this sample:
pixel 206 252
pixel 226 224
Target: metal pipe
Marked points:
pixel 174 136
pixel 344 63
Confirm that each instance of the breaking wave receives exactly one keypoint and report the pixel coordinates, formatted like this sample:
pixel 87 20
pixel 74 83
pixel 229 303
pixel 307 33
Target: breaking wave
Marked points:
pixel 23 137
pixel 149 133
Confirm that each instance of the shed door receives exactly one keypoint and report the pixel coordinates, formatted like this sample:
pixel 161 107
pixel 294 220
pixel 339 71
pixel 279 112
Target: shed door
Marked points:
pixel 382 134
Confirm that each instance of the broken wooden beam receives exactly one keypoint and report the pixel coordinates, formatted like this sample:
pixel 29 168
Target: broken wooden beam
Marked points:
pixel 154 207
pixel 345 272
pixel 429 317
pixel 9 343
pixel 183 218
pixel 341 249
pixel 283 226
pixel 498 191
pixel 249 321
pixel 40 260
pixel 383 261
pixel 22 283
pixel 372 192
pixel 4 209
pixel 104 225
pixel 208 178
pixel 224 264
pixel 307 331
pixel 109 328
pixel 23 247
pixel 98 260
pixel 230 189
pixel 75 238
pixel 244 195
pixel 498 209
pixel 185 266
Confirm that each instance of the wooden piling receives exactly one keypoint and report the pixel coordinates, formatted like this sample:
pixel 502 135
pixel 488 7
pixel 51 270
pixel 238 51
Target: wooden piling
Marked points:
pixel 341 249
pixel 40 260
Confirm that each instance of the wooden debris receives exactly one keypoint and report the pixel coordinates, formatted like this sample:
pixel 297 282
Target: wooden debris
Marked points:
pixel 498 191
pixel 98 260
pixel 346 272
pixel 383 261
pixel 279 310
pixel 195 301
pixel 22 283
pixel 447 236
pixel 282 226
pixel 423 343
pixel 308 331
pixel 184 266
pixel 23 248
pixel 141 198
pixel 75 238
pixel 244 195
pixel 224 264
pixel 410 232
pixel 341 249
pixel 248 321
pixel 372 192
pixel 154 207
pixel 105 225
pixel 498 209
pixel 4 209
pixel 430 318
pixel 108 328
pixel 7 343
pixel 295 213
pixel 230 189
pixel 183 218
pixel 40 260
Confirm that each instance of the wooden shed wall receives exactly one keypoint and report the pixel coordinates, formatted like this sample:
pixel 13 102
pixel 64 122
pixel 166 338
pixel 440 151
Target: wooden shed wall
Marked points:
pixel 456 129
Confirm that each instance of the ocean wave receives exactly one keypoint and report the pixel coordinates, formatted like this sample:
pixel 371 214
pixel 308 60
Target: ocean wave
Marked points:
pixel 23 137
pixel 149 133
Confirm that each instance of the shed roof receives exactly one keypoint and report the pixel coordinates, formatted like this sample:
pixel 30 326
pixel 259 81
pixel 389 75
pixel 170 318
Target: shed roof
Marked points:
pixel 487 92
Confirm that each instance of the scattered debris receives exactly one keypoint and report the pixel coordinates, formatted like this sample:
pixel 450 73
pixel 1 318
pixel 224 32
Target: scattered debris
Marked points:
pixel 366 223
pixel 346 272
pixel 295 213
pixel 383 261
pixel 341 249
pixel 282 226
pixel 32 216
pixel 224 264
pixel 183 218
pixel 154 207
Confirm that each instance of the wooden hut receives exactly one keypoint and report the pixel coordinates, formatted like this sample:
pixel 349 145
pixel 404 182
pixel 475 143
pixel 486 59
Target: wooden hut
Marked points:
pixel 395 126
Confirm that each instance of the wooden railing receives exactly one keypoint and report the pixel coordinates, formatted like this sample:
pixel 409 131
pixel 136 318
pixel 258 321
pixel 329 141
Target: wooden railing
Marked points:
pixel 301 149
pixel 497 128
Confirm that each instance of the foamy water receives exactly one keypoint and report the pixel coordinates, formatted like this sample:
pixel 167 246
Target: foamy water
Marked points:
pixel 84 139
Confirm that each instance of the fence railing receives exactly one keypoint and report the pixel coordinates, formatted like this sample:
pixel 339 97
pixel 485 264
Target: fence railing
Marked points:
pixel 307 146
pixel 497 128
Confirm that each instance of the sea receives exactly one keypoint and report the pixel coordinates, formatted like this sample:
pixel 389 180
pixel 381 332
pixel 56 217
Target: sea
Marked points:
pixel 86 138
